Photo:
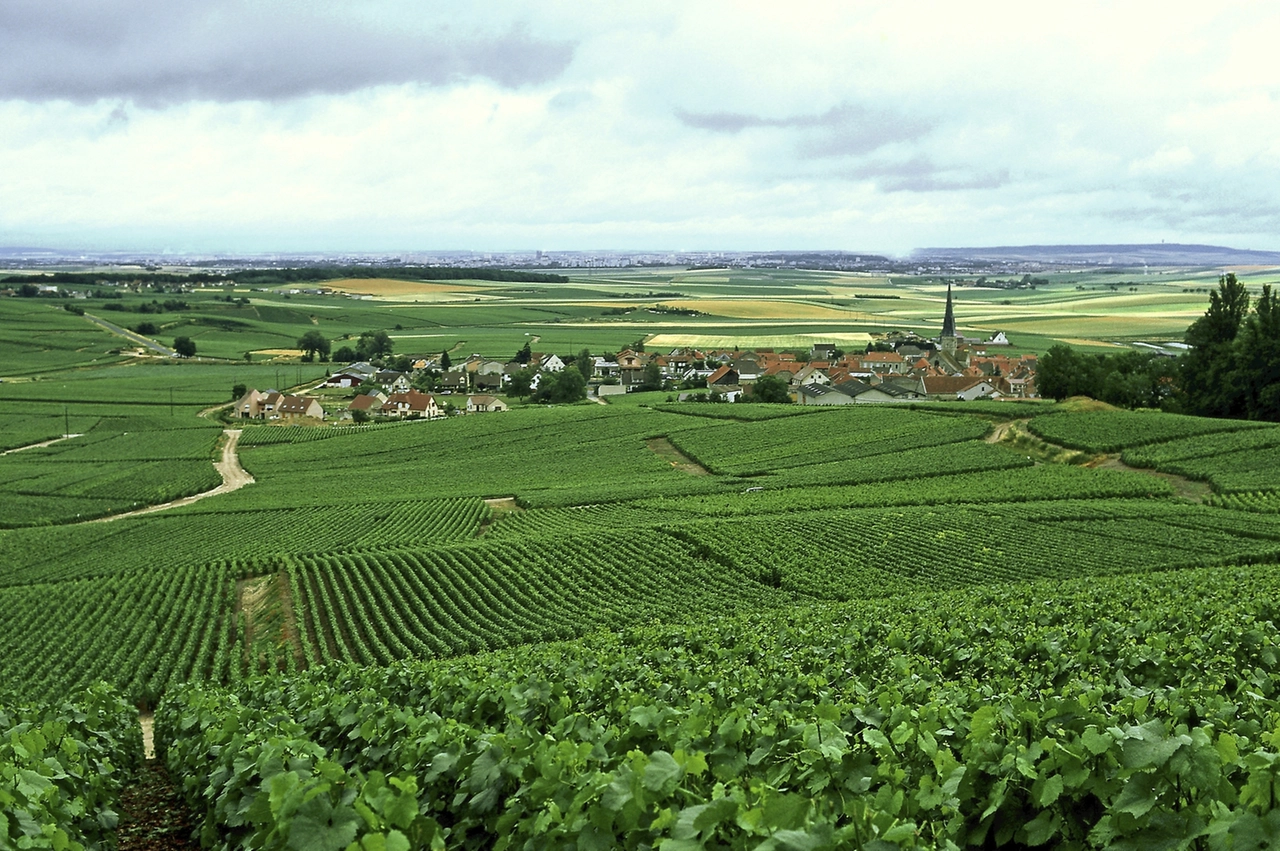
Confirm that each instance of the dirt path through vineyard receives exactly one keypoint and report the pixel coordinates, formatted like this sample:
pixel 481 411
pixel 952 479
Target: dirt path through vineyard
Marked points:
pixel 233 475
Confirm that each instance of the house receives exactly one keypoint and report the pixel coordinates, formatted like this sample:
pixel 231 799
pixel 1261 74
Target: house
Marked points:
pixel 964 387
pixel 344 379
pixel 884 362
pixel 725 376
pixel 823 351
pixel 370 403
pixel 853 392
pixel 547 363
pixel 482 404
pixel 249 406
pixel 392 381
pixel 410 405
pixel 453 380
pixel 298 407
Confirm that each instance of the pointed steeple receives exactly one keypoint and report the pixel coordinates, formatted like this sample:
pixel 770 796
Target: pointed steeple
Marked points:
pixel 949 319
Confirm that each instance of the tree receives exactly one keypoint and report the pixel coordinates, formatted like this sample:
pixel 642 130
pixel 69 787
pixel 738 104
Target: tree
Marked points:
pixel 524 355
pixel 373 345
pixel 445 360
pixel 146 329
pixel 568 385
pixel 585 364
pixel 1258 358
pixel 771 388
pixel 520 382
pixel 346 354
pixel 1210 383
pixel 360 416
pixel 184 347
pixel 238 390
pixel 652 377
pixel 1058 373
pixel 313 343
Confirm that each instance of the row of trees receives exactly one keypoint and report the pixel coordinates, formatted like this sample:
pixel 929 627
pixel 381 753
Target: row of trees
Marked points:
pixel 1231 370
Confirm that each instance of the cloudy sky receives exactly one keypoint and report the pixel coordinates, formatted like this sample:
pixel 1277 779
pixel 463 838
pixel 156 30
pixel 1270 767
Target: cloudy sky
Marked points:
pixel 389 125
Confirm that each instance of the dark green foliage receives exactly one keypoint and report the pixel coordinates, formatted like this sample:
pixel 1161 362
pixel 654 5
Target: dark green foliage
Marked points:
pixel 185 347
pixel 561 387
pixel 1112 431
pixel 314 343
pixel 373 345
pixel 1131 379
pixel 1105 713
pixel 770 389
pixel 1234 362
pixel 62 767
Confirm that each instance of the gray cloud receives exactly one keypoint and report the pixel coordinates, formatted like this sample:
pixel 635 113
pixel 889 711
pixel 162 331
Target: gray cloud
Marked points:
pixel 847 129
pixel 155 51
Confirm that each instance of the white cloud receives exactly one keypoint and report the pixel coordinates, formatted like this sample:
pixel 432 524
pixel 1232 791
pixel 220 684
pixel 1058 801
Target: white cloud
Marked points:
pixel 870 126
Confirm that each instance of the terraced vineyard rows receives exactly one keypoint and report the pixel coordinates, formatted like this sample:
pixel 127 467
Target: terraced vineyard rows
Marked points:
pixel 836 435
pixel 378 606
pixel 143 632
pixel 869 553
pixel 1112 431
pixel 203 532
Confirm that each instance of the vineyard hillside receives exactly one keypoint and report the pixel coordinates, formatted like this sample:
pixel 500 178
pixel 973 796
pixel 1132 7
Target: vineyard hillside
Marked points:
pixel 662 625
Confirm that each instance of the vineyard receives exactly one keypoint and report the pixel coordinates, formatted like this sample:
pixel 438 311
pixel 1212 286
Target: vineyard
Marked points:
pixel 827 628
pixel 1101 713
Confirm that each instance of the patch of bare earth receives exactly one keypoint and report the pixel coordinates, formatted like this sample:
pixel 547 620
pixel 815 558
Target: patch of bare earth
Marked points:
pixel 270 626
pixel 667 451
pixel 499 507
pixel 153 815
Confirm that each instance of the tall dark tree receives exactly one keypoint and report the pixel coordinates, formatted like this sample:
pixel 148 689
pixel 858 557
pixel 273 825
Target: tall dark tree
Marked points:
pixel 1210 382
pixel 313 343
pixel 373 345
pixel 1257 359
pixel 585 364
pixel 567 385
pixel 770 388
pixel 185 347
pixel 525 354
pixel 445 360
pixel 1059 373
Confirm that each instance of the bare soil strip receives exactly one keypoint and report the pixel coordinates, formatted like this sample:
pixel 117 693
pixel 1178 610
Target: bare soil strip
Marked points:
pixel 1018 438
pixel 1182 486
pixel 233 475
pixel 148 722
pixel 40 444
pixel 667 451
pixel 502 506
pixel 270 624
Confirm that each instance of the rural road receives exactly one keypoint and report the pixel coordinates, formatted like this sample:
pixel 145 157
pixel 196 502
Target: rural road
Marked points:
pixel 233 475
pixel 40 444
pixel 131 336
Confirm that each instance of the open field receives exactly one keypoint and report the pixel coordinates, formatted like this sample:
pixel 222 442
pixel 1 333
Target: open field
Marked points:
pixel 662 622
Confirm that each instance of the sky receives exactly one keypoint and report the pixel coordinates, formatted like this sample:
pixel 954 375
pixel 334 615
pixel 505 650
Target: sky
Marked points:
pixel 238 126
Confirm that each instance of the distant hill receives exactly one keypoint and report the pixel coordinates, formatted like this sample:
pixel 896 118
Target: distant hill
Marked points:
pixel 1156 254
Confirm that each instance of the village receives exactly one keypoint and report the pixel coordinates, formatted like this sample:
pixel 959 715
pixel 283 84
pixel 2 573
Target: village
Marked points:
pixel 897 367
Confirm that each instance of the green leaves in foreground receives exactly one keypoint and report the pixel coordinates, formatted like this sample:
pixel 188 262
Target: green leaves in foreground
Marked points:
pixel 1132 713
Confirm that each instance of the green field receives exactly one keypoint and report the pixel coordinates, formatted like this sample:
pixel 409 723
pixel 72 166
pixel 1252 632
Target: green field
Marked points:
pixel 645 624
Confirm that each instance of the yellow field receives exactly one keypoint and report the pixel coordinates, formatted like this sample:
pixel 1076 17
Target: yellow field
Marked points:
pixel 389 288
pixel 754 341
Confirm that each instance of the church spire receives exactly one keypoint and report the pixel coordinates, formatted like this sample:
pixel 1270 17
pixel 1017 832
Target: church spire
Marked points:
pixel 949 320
